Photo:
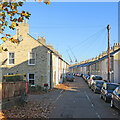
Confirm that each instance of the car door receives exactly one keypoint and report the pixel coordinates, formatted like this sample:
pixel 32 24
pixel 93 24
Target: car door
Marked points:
pixel 103 90
pixel 115 97
pixel 119 98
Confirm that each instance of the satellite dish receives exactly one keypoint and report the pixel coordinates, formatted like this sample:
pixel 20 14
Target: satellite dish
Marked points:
pixel 20 38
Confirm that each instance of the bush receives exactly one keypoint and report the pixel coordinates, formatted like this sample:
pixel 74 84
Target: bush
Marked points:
pixel 13 78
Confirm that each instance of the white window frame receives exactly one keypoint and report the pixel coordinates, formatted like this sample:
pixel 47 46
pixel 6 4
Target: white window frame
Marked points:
pixel 29 58
pixel 10 74
pixel 8 58
pixel 31 79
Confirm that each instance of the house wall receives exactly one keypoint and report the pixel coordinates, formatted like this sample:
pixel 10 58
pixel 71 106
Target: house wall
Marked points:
pixel 117 67
pixel 21 50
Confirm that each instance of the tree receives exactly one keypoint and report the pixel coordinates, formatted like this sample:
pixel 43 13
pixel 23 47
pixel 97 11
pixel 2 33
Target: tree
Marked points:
pixel 10 17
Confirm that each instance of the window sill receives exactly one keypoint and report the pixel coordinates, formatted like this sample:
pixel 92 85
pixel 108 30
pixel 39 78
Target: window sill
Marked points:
pixel 31 64
pixel 10 64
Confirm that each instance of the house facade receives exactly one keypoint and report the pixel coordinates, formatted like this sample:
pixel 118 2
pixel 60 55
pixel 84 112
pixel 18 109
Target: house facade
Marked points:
pixel 31 57
pixel 99 65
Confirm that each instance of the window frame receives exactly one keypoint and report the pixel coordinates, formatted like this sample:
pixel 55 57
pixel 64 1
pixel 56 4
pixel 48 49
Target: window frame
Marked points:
pixel 29 58
pixel 31 79
pixel 10 73
pixel 9 58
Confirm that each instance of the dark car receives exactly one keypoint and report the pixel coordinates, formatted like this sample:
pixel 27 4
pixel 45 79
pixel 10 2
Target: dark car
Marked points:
pixel 86 77
pixel 107 90
pixel 115 101
pixel 97 85
pixel 70 77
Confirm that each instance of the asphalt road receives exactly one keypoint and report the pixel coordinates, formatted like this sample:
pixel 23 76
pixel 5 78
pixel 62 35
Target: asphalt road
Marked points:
pixel 80 102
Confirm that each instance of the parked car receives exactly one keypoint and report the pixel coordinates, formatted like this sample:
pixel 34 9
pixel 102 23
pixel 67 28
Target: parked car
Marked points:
pixel 107 90
pixel 97 85
pixel 70 77
pixel 86 77
pixel 78 74
pixel 93 78
pixel 115 101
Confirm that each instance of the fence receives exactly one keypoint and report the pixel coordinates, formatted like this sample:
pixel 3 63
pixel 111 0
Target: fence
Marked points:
pixel 11 92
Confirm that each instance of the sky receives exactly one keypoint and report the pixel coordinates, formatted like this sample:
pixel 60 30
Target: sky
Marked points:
pixel 78 30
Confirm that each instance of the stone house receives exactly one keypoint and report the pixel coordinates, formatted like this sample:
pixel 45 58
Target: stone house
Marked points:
pixel 31 57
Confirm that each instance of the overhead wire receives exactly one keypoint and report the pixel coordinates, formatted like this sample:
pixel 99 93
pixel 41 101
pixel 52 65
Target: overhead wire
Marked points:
pixel 96 35
pixel 96 42
pixel 85 40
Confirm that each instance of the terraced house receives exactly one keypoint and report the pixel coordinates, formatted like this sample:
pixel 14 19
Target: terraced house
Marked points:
pixel 99 65
pixel 40 62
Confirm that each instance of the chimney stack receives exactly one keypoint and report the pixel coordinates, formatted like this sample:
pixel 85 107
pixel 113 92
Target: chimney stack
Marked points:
pixel 42 40
pixel 50 46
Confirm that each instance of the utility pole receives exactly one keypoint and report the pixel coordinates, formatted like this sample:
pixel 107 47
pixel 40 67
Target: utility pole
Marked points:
pixel 108 28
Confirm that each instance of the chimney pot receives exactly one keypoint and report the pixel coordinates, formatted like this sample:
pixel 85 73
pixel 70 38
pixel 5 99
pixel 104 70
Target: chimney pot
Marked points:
pixel 39 37
pixel 44 37
pixel 25 21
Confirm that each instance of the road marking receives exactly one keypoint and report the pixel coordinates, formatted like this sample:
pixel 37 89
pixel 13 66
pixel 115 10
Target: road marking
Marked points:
pixel 98 115
pixel 92 104
pixel 61 91
pixel 58 96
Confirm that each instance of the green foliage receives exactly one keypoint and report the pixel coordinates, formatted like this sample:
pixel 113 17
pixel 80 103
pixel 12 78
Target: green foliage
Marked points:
pixel 10 17
pixel 13 78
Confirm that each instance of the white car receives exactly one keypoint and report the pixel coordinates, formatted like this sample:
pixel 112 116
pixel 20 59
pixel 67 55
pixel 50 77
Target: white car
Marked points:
pixel 95 77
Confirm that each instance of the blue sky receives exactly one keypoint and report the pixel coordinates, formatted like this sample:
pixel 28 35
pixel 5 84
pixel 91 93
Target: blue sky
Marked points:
pixel 74 28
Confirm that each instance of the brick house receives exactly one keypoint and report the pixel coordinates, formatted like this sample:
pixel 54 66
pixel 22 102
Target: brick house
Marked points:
pixel 31 57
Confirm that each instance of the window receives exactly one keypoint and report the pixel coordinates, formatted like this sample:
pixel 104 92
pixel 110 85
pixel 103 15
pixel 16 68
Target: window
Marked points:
pixel 97 78
pixel 11 58
pixel 10 73
pixel 31 79
pixel 31 58
pixel 111 86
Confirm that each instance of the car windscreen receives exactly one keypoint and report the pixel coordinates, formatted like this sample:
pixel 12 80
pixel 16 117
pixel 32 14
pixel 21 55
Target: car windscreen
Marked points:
pixel 99 84
pixel 111 86
pixel 97 78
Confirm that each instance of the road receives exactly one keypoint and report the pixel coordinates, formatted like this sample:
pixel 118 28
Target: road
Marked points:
pixel 80 102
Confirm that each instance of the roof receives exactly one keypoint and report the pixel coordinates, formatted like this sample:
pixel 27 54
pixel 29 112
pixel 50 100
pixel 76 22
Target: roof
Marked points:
pixel 48 49
pixel 93 62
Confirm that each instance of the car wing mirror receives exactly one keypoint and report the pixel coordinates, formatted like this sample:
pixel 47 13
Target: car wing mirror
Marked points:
pixel 103 87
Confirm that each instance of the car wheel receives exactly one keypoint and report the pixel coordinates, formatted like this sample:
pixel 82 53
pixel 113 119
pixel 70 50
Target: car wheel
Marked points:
pixel 105 99
pixel 112 104
pixel 101 96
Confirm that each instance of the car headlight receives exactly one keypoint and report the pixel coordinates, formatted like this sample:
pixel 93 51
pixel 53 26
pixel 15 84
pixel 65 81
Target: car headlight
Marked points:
pixel 105 92
pixel 110 94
